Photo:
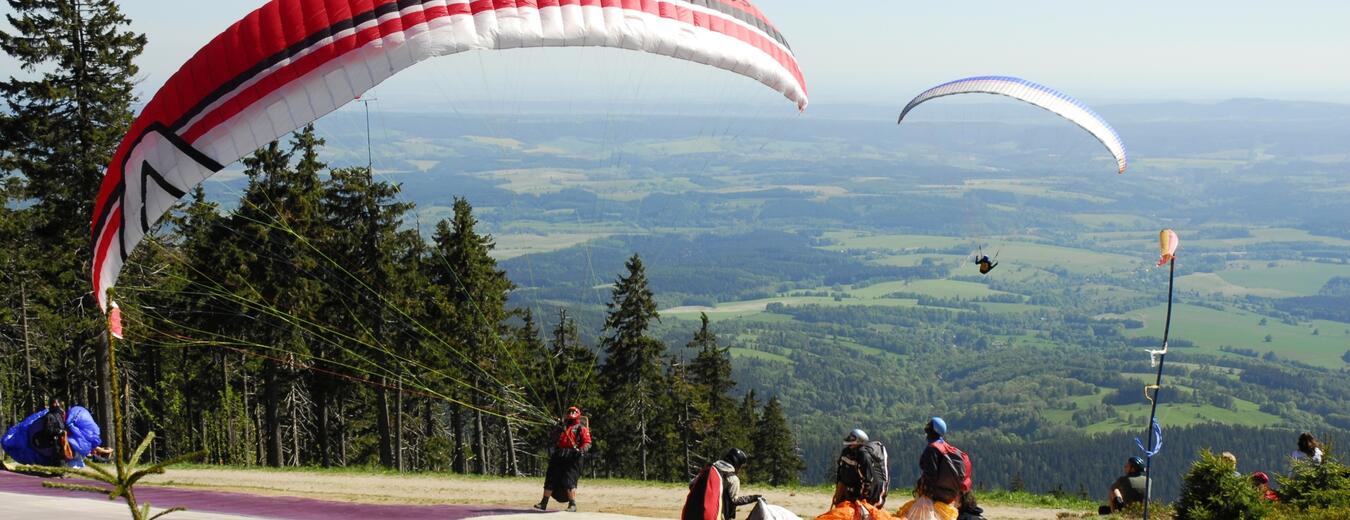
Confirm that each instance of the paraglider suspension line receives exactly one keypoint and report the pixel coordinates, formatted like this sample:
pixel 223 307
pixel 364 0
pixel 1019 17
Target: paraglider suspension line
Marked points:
pixel 1157 389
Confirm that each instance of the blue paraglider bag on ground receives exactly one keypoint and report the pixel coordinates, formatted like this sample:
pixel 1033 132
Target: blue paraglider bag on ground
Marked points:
pixel 82 434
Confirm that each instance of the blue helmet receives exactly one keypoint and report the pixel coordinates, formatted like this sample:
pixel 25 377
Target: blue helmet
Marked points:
pixel 937 425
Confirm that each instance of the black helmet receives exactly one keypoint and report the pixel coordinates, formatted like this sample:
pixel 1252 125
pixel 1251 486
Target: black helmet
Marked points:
pixel 735 457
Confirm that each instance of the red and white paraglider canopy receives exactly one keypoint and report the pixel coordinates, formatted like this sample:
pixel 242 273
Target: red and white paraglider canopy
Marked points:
pixel 292 61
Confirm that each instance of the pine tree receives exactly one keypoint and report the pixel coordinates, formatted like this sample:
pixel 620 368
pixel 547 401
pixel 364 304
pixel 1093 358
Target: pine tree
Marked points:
pixel 477 291
pixel 632 369
pixel 748 418
pixel 718 427
pixel 60 125
pixel 369 243
pixel 281 207
pixel 775 449
pixel 574 367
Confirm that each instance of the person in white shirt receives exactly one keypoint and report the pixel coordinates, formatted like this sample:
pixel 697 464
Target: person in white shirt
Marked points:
pixel 1307 449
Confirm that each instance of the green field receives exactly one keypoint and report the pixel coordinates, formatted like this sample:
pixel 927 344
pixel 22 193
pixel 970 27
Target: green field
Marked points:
pixel 1298 278
pixel 1264 235
pixel 937 288
pixel 1082 261
pixel 1211 329
pixel 854 240
pixel 1213 284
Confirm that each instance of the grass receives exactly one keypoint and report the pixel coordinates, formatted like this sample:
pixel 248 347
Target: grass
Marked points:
pixel 999 497
pixel 753 308
pixel 738 352
pixel 937 288
pixel 855 240
pixel 1213 284
pixel 1186 414
pixel 1298 278
pixel 1078 261
pixel 1211 329
pixel 512 245
pixel 1264 235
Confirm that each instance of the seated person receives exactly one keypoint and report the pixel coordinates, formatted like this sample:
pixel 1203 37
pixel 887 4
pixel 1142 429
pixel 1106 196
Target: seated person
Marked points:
pixel 1130 488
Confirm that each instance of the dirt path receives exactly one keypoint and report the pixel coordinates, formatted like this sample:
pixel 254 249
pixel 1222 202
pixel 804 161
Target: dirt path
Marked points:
pixel 657 501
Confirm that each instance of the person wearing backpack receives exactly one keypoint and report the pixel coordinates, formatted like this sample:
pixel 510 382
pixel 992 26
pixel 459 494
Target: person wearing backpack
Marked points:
pixel 716 492
pixel 564 462
pixel 49 436
pixel 945 469
pixel 863 471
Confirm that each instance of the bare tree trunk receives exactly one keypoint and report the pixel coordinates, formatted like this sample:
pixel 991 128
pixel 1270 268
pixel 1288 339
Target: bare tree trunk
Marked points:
pixel 642 442
pixel 428 432
pixel 342 428
pixel 513 464
pixel 231 435
pixel 457 430
pixel 321 401
pixel 271 405
pixel 27 349
pixel 398 427
pixel 480 442
pixel 382 420
pixel 295 431
pixel 105 394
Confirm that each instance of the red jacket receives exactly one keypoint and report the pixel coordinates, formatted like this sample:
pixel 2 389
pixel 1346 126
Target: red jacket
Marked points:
pixel 574 436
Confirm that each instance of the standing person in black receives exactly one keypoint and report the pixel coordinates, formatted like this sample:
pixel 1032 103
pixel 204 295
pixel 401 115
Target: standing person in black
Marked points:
pixel 564 461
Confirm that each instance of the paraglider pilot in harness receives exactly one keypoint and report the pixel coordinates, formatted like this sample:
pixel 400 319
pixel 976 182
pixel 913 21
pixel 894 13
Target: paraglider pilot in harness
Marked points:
pixel 564 461
pixel 863 471
pixel 715 492
pixel 985 264
pixel 946 470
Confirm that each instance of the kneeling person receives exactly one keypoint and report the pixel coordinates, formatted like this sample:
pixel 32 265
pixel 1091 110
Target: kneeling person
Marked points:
pixel 715 493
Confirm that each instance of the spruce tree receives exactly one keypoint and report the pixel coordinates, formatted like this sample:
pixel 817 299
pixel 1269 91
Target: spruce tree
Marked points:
pixel 718 426
pixel 574 367
pixel 61 122
pixel 775 449
pixel 366 220
pixel 631 375
pixel 477 290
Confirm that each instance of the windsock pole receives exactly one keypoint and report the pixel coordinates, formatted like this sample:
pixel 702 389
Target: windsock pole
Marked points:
pixel 1157 388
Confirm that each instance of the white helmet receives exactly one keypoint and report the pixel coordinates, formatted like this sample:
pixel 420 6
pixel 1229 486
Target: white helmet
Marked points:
pixel 857 437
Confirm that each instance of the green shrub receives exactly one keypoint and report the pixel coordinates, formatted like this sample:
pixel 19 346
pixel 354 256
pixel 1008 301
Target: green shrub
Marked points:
pixel 1212 490
pixel 1316 486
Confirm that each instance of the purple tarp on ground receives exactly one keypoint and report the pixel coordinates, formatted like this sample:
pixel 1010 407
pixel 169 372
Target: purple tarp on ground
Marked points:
pixel 284 508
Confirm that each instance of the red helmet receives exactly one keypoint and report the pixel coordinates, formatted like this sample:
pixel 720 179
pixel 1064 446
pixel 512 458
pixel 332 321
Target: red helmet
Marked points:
pixel 573 412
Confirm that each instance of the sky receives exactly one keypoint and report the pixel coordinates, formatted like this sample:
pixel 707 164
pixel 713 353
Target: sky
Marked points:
pixel 881 52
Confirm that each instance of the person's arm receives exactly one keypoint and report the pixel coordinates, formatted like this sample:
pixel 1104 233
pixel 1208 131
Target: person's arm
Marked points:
pixel 734 485
pixel 585 441
pixel 1114 496
pixel 838 492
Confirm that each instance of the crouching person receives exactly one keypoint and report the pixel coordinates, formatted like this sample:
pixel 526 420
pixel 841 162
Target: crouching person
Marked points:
pixel 716 492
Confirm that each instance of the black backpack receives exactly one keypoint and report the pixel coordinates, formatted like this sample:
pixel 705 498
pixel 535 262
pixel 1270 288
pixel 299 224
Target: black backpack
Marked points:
pixel 877 473
pixel 864 471
pixel 51 429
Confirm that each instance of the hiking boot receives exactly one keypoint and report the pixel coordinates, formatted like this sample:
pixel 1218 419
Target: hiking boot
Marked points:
pixel 571 507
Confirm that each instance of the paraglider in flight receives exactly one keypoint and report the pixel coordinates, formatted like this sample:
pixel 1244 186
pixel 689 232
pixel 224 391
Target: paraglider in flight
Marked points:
pixel 1035 94
pixel 292 61
pixel 984 262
